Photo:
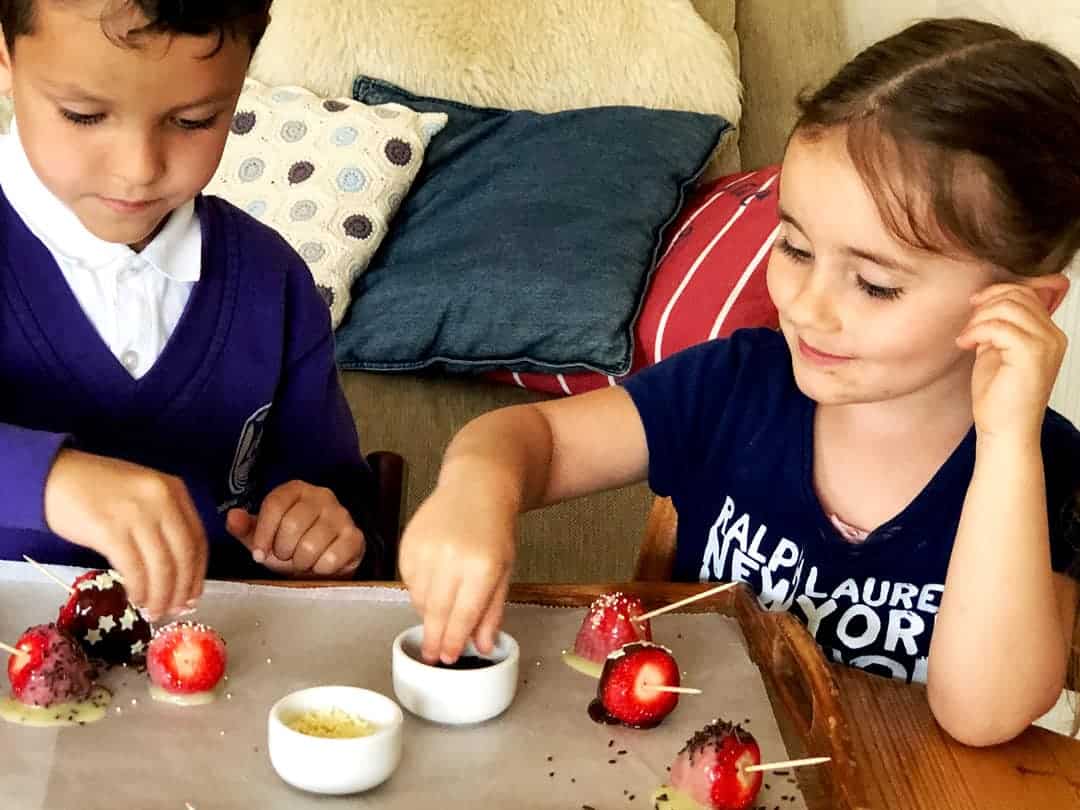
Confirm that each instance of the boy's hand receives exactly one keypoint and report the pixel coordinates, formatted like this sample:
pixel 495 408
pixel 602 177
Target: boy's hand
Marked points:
pixel 141 520
pixel 1018 352
pixel 300 529
pixel 456 557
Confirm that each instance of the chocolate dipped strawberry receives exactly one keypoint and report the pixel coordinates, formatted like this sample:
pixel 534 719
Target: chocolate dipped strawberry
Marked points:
pixel 628 692
pixel 186 658
pixel 710 771
pixel 49 668
pixel 99 616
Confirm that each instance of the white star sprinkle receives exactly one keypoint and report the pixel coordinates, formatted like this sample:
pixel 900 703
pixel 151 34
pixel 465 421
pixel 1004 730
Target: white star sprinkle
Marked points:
pixel 106 623
pixel 127 621
pixel 93 636
pixel 137 647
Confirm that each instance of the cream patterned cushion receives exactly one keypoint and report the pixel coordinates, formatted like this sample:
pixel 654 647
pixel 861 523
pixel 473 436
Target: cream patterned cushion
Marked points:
pixel 327 174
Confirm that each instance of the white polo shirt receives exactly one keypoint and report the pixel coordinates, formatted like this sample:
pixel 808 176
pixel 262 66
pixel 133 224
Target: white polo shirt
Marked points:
pixel 134 300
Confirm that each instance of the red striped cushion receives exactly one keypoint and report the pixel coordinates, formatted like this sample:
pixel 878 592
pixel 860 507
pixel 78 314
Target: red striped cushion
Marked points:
pixel 709 282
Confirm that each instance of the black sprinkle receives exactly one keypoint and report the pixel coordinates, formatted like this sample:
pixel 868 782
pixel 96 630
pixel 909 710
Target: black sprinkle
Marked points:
pixel 610 743
pixel 573 780
pixel 631 797
pixel 781 773
pixel 621 752
pixel 551 773
pixel 611 762
pixel 662 797
pixel 526 682
pixel 550 758
pixel 587 807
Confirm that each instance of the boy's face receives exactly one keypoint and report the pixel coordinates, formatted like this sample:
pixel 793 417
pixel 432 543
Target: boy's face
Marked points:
pixel 122 134
pixel 867 317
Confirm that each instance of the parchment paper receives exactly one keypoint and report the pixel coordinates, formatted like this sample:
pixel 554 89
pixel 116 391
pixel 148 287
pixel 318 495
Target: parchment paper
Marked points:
pixel 544 752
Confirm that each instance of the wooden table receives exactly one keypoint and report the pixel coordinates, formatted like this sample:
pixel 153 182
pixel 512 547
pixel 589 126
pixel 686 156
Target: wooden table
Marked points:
pixel 905 761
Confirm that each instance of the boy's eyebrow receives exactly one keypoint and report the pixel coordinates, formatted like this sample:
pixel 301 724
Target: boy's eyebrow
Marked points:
pixel 73 93
pixel 858 253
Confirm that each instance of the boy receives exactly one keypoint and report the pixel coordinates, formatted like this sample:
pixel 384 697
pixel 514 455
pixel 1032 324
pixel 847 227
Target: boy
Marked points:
pixel 166 362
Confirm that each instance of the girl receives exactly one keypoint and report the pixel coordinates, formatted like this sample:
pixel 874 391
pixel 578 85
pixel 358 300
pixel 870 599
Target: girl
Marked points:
pixel 886 466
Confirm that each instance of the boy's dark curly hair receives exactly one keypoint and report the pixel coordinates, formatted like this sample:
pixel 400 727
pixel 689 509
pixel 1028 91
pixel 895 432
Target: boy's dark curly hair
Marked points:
pixel 237 18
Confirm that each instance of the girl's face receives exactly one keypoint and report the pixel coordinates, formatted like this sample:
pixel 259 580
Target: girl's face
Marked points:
pixel 867 317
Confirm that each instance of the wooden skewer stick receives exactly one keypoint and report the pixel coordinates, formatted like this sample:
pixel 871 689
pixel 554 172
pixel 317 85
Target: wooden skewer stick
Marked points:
pixel 791 763
pixel 675 690
pixel 12 650
pixel 674 605
pixel 49 574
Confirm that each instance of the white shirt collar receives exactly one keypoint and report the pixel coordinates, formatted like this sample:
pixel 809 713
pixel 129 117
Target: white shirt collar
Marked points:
pixel 175 252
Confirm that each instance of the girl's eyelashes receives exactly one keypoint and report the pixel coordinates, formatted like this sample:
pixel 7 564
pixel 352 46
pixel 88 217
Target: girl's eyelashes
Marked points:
pixel 791 251
pixel 877 291
pixel 872 290
pixel 82 120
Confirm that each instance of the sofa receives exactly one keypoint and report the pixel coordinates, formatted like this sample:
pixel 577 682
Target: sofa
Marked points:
pixel 779 49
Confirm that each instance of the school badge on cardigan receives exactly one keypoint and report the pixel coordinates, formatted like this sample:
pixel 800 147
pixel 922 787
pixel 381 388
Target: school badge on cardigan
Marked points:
pixel 247 452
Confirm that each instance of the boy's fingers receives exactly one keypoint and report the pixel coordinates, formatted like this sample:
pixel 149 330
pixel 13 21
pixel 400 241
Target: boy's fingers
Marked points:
pixel 273 509
pixel 347 549
pixel 160 570
pixel 312 545
pixel 294 524
pixel 241 525
pixel 175 532
pixel 492 618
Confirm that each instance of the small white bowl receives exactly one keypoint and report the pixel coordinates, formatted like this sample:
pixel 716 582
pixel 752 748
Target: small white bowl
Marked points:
pixel 330 765
pixel 454 696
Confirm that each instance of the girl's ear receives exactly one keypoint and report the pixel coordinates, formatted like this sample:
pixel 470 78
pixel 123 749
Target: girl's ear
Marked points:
pixel 1051 289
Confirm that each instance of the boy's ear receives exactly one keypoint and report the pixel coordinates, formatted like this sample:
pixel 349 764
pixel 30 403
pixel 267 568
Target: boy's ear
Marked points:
pixel 5 65
pixel 1051 289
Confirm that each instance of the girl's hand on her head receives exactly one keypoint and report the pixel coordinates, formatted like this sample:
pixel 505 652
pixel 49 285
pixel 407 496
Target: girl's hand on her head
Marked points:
pixel 141 520
pixel 301 530
pixel 456 557
pixel 1018 353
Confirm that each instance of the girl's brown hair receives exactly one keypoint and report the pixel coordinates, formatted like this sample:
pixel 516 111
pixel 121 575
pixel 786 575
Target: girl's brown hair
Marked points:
pixel 968 137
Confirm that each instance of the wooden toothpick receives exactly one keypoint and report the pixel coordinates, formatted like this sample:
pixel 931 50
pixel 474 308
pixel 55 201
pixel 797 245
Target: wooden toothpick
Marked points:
pixel 11 650
pixel 675 690
pixel 791 763
pixel 688 600
pixel 50 574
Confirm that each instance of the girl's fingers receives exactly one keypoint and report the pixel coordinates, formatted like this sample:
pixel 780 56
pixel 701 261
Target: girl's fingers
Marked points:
pixel 469 607
pixel 127 561
pixel 440 603
pixel 492 618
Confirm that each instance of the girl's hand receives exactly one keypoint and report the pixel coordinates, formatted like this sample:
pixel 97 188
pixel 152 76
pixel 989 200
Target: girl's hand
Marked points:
pixel 1018 352
pixel 143 521
pixel 300 530
pixel 456 556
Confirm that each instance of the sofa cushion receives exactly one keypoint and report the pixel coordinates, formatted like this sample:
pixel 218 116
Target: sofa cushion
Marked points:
pixel 543 55
pixel 527 239
pixel 710 281
pixel 327 174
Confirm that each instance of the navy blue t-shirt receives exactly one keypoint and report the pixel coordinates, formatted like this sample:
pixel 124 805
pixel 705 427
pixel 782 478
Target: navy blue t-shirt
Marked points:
pixel 731 441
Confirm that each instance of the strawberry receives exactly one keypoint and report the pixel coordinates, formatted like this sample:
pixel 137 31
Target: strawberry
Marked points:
pixel 185 658
pixel 99 616
pixel 608 626
pixel 624 694
pixel 709 769
pixel 51 669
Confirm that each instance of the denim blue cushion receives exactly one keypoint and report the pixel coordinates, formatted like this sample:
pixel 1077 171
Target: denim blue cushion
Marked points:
pixel 526 241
